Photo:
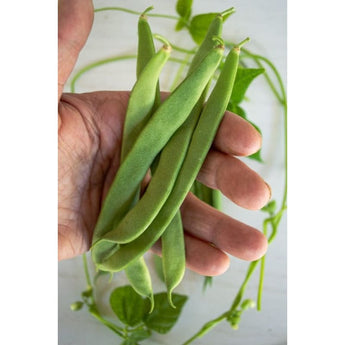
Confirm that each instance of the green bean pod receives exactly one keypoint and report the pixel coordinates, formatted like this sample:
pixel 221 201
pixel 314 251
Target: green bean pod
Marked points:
pixel 146 49
pixel 139 108
pixel 173 248
pixel 200 144
pixel 137 271
pixel 143 98
pixel 138 218
pixel 171 158
pixel 207 194
pixel 165 121
pixel 173 255
pixel 139 277
pixel 203 192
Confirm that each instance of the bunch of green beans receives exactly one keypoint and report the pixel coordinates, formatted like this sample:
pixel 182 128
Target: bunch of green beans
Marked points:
pixel 171 139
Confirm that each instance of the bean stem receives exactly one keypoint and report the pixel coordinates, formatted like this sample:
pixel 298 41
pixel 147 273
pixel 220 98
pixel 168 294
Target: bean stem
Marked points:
pixel 97 64
pixel 92 305
pixel 262 271
pixel 122 9
pixel 86 270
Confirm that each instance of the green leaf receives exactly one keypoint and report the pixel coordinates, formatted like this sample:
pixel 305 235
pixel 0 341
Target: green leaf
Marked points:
pixel 199 25
pixel 129 307
pixel 180 24
pixel 184 8
pixel 243 79
pixel 207 283
pixel 140 334
pixel 164 317
pixel 256 157
pixel 270 207
pixel 235 108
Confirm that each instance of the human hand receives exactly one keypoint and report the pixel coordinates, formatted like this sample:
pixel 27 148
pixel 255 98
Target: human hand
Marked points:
pixel 90 132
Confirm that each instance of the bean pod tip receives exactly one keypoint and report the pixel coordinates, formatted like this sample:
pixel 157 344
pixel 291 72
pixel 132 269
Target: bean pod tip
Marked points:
pixel 143 15
pixel 239 45
pixel 227 12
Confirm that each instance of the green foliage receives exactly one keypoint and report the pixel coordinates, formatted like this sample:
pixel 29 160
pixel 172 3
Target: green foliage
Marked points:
pixel 199 26
pixel 200 23
pixel 164 317
pixel 184 9
pixel 244 78
pixel 207 283
pixel 140 334
pixel 129 307
pixel 270 207
pixel 137 335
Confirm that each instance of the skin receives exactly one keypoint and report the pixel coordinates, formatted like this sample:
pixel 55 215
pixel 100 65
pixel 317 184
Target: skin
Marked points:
pixel 89 143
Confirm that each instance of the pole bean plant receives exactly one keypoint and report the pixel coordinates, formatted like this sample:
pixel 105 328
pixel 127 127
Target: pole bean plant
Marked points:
pixel 213 77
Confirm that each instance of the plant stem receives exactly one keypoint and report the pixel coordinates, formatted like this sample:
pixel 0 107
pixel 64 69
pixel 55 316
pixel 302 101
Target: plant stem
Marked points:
pixel 86 270
pixel 97 64
pixel 122 9
pixel 92 306
pixel 118 330
pixel 274 220
pixel 211 324
pixel 93 65
pixel 262 270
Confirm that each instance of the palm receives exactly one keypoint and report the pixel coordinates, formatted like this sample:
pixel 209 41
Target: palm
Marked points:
pixel 90 131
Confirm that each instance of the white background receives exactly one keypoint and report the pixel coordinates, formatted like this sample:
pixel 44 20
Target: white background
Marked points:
pixel 114 33
pixel 28 174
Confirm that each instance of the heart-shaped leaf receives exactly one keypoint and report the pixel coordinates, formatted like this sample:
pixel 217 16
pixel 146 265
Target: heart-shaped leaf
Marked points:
pixel 200 23
pixel 129 307
pixel 163 316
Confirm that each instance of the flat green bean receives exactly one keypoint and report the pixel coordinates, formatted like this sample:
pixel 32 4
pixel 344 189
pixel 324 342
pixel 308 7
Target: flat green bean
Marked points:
pixel 170 161
pixel 139 277
pixel 142 99
pixel 173 248
pixel 139 108
pixel 146 49
pixel 137 272
pixel 199 146
pixel 173 255
pixel 165 121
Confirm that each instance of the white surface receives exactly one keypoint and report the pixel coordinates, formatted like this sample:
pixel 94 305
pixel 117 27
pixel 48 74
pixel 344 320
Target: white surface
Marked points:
pixel 114 33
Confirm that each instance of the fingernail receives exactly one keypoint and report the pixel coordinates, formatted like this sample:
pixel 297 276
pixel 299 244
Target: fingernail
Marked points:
pixel 270 190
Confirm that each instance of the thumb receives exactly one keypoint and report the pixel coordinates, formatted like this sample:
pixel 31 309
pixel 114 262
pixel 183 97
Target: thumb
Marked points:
pixel 75 21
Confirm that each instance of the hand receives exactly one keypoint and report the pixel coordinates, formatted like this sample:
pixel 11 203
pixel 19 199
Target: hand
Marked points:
pixel 90 132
